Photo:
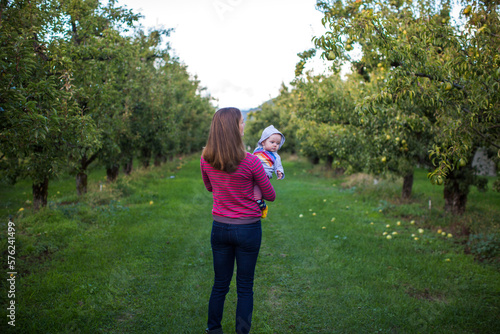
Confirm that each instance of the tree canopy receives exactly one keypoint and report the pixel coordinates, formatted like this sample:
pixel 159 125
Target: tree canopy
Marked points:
pixel 422 59
pixel 80 83
pixel 423 91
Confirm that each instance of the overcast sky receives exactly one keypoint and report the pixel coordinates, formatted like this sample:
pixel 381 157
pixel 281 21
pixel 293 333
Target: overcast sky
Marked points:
pixel 241 50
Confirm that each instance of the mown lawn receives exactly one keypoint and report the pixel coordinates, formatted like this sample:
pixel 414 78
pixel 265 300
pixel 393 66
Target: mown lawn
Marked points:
pixel 136 258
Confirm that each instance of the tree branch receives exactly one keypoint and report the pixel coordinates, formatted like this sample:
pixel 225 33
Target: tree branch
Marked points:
pixel 431 77
pixel 39 48
pixel 100 58
pixel 479 132
pixel 78 41
pixel 2 5
pixel 92 158
pixel 86 162
pixel 153 56
pixel 380 33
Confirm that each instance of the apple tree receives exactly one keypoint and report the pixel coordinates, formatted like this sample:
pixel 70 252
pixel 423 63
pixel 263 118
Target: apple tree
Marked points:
pixel 167 113
pixel 398 139
pixel 40 123
pixel 430 64
pixel 328 127
pixel 91 39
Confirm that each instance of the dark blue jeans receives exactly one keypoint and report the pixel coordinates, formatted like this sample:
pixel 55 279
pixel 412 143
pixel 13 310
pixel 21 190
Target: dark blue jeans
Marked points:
pixel 229 243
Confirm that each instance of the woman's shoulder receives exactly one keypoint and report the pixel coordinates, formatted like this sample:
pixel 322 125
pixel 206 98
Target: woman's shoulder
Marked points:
pixel 251 160
pixel 203 162
pixel 251 157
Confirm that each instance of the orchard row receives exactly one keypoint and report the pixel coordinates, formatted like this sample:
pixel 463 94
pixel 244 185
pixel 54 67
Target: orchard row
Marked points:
pixel 81 83
pixel 424 91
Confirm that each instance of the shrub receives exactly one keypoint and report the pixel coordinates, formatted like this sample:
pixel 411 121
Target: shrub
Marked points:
pixel 485 247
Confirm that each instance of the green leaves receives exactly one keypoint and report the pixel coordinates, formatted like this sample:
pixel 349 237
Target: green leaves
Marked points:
pixel 433 64
pixel 72 85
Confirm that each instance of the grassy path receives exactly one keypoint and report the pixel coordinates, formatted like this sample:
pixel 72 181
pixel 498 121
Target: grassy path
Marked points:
pixel 143 264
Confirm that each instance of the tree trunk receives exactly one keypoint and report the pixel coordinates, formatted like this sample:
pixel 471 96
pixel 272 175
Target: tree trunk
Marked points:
pixel 127 168
pixel 456 189
pixel 339 171
pixel 81 176
pixel 81 183
pixel 40 192
pixel 112 173
pixel 329 162
pixel 158 160
pixel 145 157
pixel 455 199
pixel 407 186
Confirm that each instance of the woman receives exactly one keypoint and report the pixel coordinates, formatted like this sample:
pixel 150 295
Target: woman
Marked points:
pixel 229 172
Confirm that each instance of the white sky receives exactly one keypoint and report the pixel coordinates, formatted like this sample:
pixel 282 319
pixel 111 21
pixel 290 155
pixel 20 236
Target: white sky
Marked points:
pixel 241 50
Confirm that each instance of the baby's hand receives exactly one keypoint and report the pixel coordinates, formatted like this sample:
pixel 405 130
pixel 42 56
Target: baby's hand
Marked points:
pixel 280 175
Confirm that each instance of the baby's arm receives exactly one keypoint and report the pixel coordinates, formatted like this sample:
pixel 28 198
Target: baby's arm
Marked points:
pixel 257 193
pixel 280 172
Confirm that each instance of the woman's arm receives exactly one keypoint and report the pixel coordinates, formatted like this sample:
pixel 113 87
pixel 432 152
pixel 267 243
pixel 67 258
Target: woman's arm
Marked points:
pixel 262 181
pixel 204 175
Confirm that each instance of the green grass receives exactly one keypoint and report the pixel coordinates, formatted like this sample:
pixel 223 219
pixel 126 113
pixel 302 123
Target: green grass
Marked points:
pixel 113 262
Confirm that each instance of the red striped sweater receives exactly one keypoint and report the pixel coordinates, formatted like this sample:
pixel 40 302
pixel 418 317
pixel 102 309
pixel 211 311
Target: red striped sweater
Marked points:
pixel 233 193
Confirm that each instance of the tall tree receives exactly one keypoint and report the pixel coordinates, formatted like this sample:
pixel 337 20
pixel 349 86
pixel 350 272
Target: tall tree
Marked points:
pixel 76 88
pixel 40 125
pixel 432 64
pixel 92 39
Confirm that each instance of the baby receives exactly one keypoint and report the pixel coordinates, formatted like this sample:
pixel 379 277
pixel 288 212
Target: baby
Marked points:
pixel 269 143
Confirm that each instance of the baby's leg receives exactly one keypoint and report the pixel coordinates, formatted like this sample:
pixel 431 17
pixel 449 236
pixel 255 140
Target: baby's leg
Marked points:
pixel 257 193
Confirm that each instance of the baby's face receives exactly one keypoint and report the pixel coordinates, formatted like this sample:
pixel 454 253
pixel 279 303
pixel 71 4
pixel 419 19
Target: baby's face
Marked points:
pixel 272 143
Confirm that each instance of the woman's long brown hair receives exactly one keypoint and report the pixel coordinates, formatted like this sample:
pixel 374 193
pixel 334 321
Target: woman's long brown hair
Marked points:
pixel 225 150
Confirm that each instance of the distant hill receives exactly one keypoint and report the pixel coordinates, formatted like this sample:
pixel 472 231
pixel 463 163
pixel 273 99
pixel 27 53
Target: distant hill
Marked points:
pixel 246 111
